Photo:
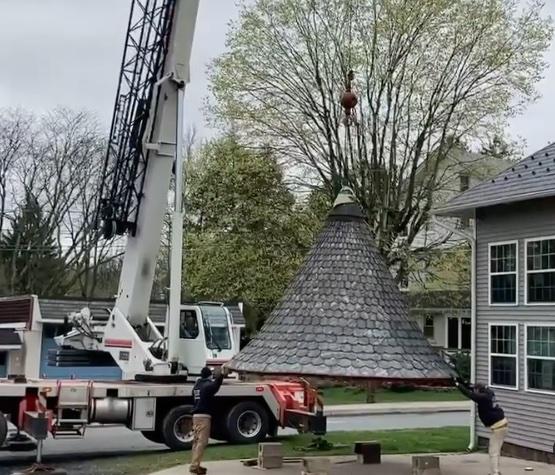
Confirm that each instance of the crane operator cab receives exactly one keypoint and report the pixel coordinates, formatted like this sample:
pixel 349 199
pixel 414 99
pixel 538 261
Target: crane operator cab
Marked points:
pixel 206 336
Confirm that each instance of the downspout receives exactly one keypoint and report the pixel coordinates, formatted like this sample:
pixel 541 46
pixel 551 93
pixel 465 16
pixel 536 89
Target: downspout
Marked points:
pixel 472 444
pixel 472 239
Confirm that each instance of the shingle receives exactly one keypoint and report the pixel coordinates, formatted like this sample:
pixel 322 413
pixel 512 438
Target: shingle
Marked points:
pixel 531 178
pixel 342 290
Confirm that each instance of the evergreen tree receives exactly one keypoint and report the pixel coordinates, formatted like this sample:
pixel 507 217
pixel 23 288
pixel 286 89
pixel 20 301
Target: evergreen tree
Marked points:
pixel 246 233
pixel 29 253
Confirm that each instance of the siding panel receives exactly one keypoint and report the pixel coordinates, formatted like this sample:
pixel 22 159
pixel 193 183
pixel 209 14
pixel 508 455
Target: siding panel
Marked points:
pixel 531 415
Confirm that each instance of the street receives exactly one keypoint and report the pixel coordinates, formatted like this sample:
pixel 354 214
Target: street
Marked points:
pixel 114 441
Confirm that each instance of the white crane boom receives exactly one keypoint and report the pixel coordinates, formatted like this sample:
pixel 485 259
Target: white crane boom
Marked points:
pixel 146 146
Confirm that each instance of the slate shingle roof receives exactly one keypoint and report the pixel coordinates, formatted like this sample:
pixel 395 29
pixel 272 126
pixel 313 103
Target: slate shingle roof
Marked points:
pixel 342 316
pixel 531 178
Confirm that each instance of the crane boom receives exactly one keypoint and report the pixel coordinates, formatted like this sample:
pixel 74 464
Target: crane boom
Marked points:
pixel 146 143
pixel 143 141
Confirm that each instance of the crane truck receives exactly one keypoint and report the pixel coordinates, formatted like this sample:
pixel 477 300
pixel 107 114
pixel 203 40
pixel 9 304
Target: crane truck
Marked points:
pixel 144 157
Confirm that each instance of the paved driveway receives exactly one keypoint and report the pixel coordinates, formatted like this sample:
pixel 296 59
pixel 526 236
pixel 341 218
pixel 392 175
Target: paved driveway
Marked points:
pixel 472 464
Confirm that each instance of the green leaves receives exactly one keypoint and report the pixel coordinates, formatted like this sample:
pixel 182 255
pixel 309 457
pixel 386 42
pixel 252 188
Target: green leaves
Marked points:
pixel 246 235
pixel 426 71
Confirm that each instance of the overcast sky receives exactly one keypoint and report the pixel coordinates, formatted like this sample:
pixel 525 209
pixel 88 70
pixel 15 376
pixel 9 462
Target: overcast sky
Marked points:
pixel 68 52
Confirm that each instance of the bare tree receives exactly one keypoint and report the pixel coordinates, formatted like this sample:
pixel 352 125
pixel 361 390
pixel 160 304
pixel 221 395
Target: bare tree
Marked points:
pixel 59 166
pixel 427 74
pixel 14 138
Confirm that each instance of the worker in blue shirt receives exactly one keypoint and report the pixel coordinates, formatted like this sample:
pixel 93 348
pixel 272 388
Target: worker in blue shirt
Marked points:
pixel 491 415
pixel 204 393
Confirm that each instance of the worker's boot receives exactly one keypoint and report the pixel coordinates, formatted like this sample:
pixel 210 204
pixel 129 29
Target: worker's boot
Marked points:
pixel 198 470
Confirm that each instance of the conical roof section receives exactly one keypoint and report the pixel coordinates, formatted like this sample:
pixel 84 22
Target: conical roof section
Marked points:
pixel 342 316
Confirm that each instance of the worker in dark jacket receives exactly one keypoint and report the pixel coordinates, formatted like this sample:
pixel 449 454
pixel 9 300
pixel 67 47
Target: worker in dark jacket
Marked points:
pixel 204 403
pixel 491 415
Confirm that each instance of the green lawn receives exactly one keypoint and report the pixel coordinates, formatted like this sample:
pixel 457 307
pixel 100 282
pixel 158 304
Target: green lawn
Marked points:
pixel 346 395
pixel 449 439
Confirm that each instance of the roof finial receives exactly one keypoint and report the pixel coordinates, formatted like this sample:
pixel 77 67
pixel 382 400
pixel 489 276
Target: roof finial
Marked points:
pixel 346 196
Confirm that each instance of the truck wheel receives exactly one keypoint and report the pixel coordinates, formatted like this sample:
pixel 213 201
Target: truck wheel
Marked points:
pixel 177 428
pixel 3 429
pixel 153 436
pixel 218 432
pixel 247 422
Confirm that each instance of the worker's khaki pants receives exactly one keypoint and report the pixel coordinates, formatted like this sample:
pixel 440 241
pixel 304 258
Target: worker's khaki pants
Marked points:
pixel 495 445
pixel 201 432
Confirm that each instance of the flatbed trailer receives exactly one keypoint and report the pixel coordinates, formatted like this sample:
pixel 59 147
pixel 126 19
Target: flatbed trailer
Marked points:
pixel 246 412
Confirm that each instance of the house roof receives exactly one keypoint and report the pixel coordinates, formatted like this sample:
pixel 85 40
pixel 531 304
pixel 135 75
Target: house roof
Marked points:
pixel 342 316
pixel 16 310
pixel 236 315
pixel 58 309
pixel 531 178
pixel 9 337
pixel 445 298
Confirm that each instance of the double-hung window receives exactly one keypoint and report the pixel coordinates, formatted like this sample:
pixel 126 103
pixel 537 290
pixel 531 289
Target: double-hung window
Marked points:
pixel 503 273
pixel 429 326
pixel 540 271
pixel 540 357
pixel 503 356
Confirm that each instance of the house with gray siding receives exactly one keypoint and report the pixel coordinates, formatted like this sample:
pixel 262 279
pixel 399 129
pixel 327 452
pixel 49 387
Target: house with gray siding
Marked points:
pixel 514 297
pixel 447 323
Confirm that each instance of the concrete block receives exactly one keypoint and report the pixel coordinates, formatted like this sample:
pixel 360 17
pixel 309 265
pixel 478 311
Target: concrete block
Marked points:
pixel 316 466
pixel 368 452
pixel 270 449
pixel 425 465
pixel 270 455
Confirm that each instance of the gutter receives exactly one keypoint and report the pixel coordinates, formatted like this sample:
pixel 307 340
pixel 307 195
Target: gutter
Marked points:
pixel 472 443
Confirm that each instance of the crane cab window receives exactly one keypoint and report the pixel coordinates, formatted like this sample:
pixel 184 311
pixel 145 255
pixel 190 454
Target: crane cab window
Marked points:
pixel 188 327
pixel 216 328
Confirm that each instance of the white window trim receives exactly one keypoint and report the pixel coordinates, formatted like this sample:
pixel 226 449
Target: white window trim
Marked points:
pixel 501 243
pixel 516 355
pixel 526 272
pixel 526 388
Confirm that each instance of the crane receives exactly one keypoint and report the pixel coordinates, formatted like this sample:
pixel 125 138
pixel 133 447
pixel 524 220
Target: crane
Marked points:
pixel 145 148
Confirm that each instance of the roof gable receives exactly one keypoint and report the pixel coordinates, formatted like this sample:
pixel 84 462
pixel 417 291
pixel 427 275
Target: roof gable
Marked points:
pixel 531 178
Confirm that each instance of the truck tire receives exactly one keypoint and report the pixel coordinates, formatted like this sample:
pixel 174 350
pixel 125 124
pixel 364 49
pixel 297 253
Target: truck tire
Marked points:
pixel 218 431
pixel 177 428
pixel 3 429
pixel 247 422
pixel 153 436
